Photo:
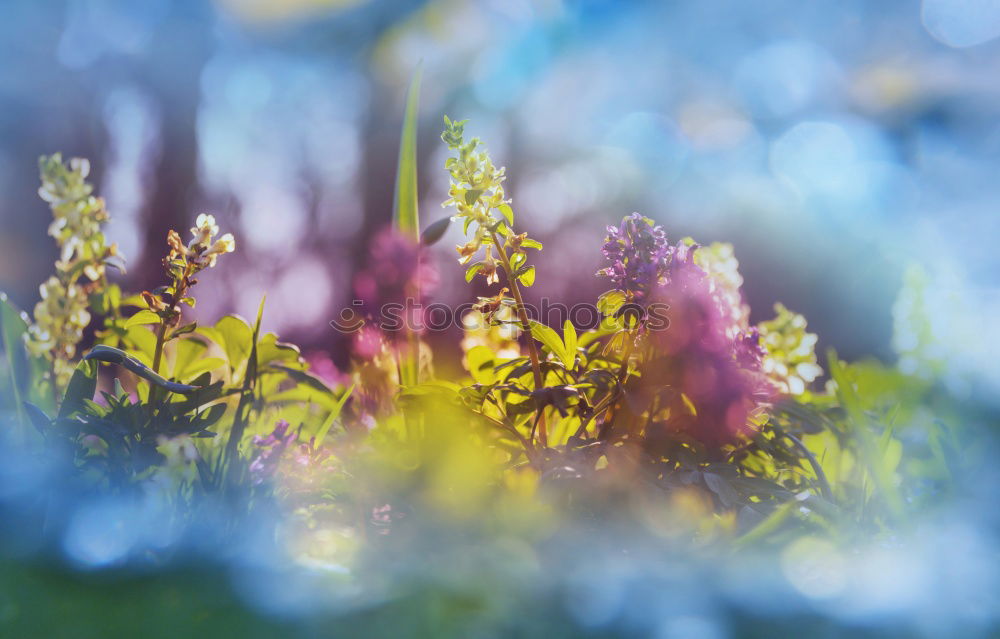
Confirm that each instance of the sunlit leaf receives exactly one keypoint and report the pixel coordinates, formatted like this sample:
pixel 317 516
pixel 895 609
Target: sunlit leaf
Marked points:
pixel 549 338
pixel 569 339
pixel 480 361
pixel 335 411
pixel 527 276
pixel 508 214
pixel 144 316
pixel 405 214
pixel 472 270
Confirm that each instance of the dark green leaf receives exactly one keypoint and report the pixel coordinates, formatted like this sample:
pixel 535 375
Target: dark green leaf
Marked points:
pixel 115 356
pixel 82 386
pixel 435 232
pixel 38 417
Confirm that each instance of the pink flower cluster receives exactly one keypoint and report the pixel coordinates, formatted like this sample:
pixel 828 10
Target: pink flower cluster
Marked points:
pixel 706 364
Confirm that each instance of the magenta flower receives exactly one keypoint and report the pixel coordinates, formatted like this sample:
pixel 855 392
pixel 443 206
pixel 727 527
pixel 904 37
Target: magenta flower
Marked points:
pixel 323 367
pixel 269 450
pixel 714 363
pixel 396 270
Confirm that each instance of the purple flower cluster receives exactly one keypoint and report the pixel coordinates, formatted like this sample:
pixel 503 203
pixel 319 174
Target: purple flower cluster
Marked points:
pixel 269 449
pixel 708 357
pixel 639 255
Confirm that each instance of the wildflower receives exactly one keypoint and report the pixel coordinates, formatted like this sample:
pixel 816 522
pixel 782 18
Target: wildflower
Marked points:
pixel 225 244
pixel 501 340
pixel 203 231
pixel 268 452
pixel 467 251
pixel 177 248
pixel 203 250
pixel 181 264
pixel 639 255
pixel 61 315
pixel 396 273
pixel 490 306
pixel 706 353
pixel 789 351
pixel 516 242
pixel 323 367
pixel 489 268
pixel 476 191
pixel 368 342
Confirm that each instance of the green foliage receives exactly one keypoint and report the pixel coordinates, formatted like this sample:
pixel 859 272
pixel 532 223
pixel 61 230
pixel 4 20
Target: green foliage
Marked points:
pixel 547 426
pixel 406 215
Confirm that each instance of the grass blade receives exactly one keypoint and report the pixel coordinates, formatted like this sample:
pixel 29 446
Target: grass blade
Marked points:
pixel 406 216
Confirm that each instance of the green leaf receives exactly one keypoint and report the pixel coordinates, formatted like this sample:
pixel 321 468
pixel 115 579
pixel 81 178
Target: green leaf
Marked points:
pixel 332 417
pixel 609 303
pixel 549 338
pixel 569 338
pixel 235 336
pixel 185 353
pixel 38 417
pixel 13 326
pixel 144 316
pixel 508 214
pixel 517 260
pixel 116 356
pixel 530 243
pixel 527 276
pixel 472 270
pixel 480 360
pixel 860 423
pixel 82 386
pixel 405 215
pixel 141 343
pixel 718 485
pixel 200 366
pixel 182 330
pixel 435 232
pixel 304 377
pixel 472 195
pixel 269 350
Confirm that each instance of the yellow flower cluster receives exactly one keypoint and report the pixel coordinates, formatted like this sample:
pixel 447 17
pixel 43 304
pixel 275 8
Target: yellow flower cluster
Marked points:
pixel 718 260
pixel 476 190
pixel 62 313
pixel 790 359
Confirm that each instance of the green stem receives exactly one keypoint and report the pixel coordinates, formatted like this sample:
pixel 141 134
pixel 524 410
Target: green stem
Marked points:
pixel 622 377
pixel 522 315
pixel 161 331
pixel 180 289
pixel 817 468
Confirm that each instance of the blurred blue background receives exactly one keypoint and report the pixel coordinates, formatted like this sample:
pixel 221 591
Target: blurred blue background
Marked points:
pixel 836 144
